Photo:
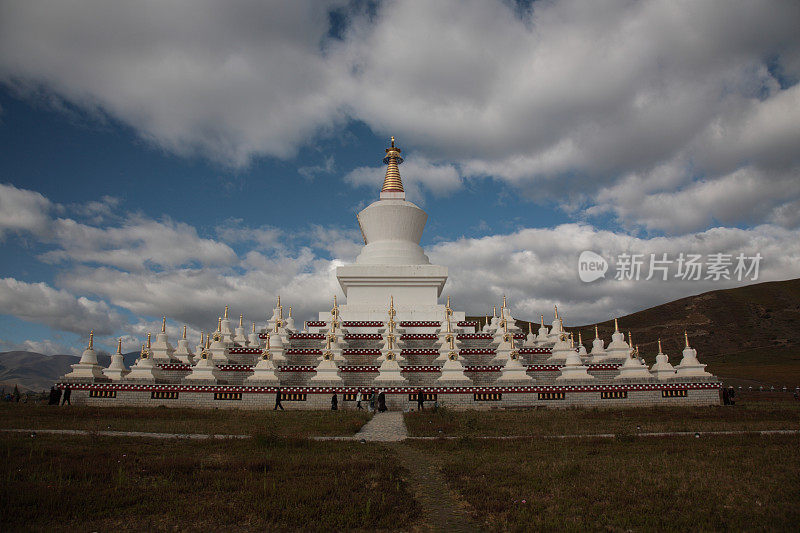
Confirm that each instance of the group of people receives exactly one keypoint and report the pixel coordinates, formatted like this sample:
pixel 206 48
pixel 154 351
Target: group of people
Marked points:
pixel 376 401
pixel 56 396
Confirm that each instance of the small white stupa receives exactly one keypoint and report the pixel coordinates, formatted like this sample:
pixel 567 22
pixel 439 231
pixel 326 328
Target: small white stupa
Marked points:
pixel 327 370
pixel 453 371
pixel 225 328
pixel 263 371
pixel 689 365
pixel 145 368
pixel 530 339
pixel 240 337
pixel 505 345
pixel 334 346
pixel 274 345
pixel 253 340
pixel 617 350
pixel 598 348
pixel 289 322
pixel 562 349
pixel 162 350
pixel 573 368
pixel 183 353
pixel 495 322
pixel 632 367
pixel 389 371
pixel 543 335
pixel 556 328
pixel 204 369
pixel 218 351
pixel 200 347
pixel 581 347
pixel 391 340
pixel 513 370
pixel 87 367
pixel 662 369
pixel 505 314
pixel 448 341
pixel 116 370
pixel 486 326
pixel 277 316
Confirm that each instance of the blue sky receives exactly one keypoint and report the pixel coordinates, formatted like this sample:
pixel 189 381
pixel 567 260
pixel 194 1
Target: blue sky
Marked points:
pixel 158 163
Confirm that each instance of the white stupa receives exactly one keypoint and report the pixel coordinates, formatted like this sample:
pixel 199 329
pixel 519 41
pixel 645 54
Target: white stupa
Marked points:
pixel 225 328
pixel 632 367
pixel 116 370
pixel 161 350
pixel 513 371
pixel 530 338
pixel 263 371
pixel 274 345
pixel 618 349
pixel 662 369
pixel 392 262
pixel 87 367
pixel 183 352
pixel 581 347
pixel 145 368
pixel 689 365
pixel 253 340
pixel 453 371
pixel 327 370
pixel 389 371
pixel 240 337
pixel 598 352
pixel 218 351
pixel 204 370
pixel 561 350
pixel 200 347
pixel 573 368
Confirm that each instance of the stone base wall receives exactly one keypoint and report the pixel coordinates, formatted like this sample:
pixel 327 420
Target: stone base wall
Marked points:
pixel 238 397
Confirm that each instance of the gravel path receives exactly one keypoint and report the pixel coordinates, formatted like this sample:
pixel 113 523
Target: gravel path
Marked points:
pixel 384 427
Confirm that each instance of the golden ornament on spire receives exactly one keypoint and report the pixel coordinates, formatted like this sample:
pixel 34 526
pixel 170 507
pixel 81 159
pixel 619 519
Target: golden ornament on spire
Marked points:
pixel 686 336
pixel 163 324
pixel 91 340
pixel 219 323
pixel 226 311
pixel 241 319
pixel 659 346
pixel 542 320
pixel 616 326
pixel 392 181
pixel 148 341
pixel 556 308
pixel 119 346
pixel 596 334
pixel 504 301
pixel 184 331
pixel 254 327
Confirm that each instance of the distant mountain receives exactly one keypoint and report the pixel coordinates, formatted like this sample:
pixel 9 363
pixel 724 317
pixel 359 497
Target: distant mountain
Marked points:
pixel 37 372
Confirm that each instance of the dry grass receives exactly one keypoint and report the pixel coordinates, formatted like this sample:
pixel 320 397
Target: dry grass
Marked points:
pixel 161 419
pixel 747 416
pixel 677 484
pixel 92 484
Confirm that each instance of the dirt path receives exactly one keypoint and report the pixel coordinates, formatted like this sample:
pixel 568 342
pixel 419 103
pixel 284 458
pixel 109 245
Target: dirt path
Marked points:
pixel 441 511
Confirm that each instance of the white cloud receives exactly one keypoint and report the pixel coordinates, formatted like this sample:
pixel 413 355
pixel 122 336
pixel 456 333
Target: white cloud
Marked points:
pixel 57 308
pixel 23 211
pixel 560 100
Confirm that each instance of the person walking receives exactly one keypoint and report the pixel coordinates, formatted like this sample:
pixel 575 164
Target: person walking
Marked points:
pixel 52 400
pixel 382 401
pixel 334 403
pixel 67 394
pixel 358 401
pixel 420 400
pixel 278 395
pixel 372 399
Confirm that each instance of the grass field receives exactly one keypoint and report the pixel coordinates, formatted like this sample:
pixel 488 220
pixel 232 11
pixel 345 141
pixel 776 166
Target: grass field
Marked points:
pixel 161 419
pixel 105 484
pixel 746 416
pixel 654 484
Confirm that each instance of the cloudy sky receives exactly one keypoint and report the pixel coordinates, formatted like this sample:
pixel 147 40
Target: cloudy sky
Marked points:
pixel 174 157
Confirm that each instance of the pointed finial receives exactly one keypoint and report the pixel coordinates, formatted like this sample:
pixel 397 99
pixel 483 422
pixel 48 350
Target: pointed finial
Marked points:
pixel 279 301
pixel 542 320
pixel 91 340
pixel 630 340
pixel 448 301
pixel 143 353
pixel 391 301
pixel 451 340
pixel 335 304
pixel 504 301
pixel 148 340
pixel 254 327
pixel 616 326
pixel 392 139
pixel 202 338
pixel 596 334
pixel 328 341
pixel 241 319
pixel 208 342
pixel 184 331
pixel 290 311
pixel 448 324
pixel 226 311
pixel 686 336
pixel 580 337
pixel 556 308
pixel 392 181
pixel 494 311
pixel 164 324
pixel 266 337
pixel 659 346
pixel 530 328
pixel 119 346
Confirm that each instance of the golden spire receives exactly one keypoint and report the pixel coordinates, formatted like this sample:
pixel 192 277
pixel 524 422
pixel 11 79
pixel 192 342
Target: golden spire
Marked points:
pixel 616 326
pixel 686 336
pixel 91 340
pixel 202 338
pixel 143 353
pixel 451 340
pixel 392 181
pixel 290 311
pixel 556 308
pixel 279 300
pixel 530 328
pixel 494 311
pixel 184 331
pixel 630 340
pixel 328 341
pixel 208 342
pixel 659 346
pixel 163 324
pixel 241 318
pixel 580 337
pixel 504 301
pixel 448 324
pixel 254 327
pixel 148 340
pixel 542 320
pixel 119 346
pixel 596 334
pixel 226 311
pixel 267 339
pixel 219 323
